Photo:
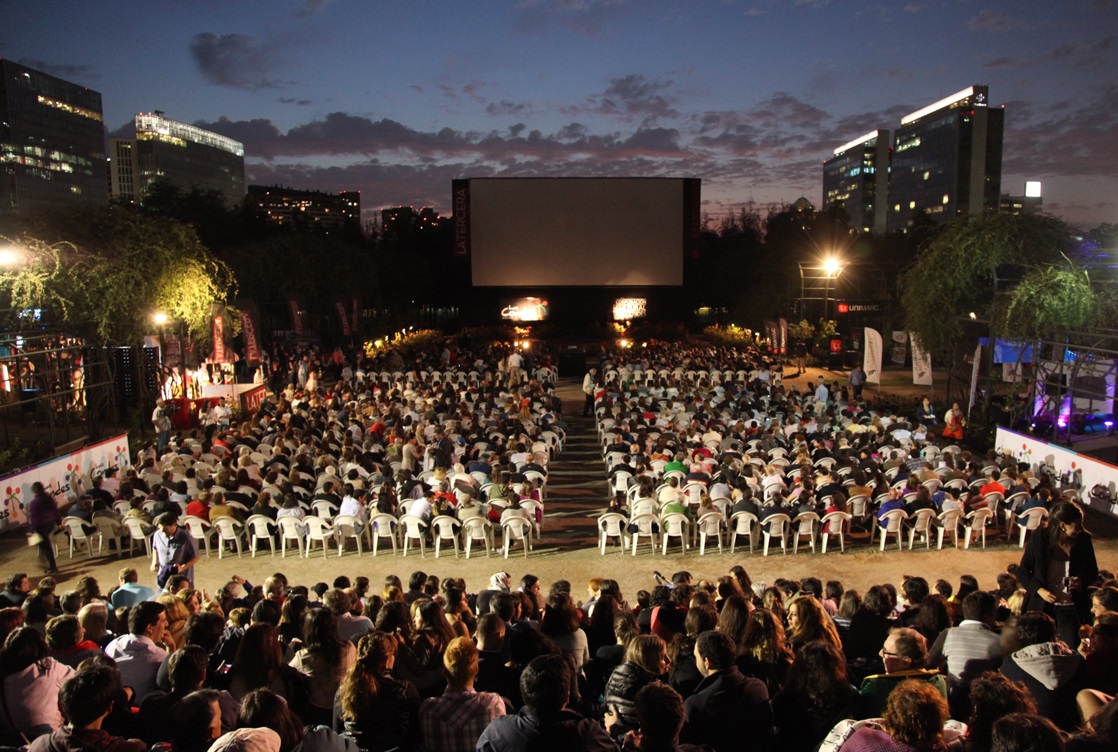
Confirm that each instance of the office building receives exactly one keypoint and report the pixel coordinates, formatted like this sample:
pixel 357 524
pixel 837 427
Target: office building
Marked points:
pixel 947 160
pixel 52 142
pixel 401 221
pixel 307 211
pixel 857 178
pixel 183 155
pixel 1029 203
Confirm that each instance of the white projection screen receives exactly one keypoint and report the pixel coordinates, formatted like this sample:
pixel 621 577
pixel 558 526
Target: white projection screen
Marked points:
pixel 576 232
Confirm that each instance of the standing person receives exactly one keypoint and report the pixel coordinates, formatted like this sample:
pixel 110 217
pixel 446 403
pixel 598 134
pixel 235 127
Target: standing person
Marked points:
pixel 822 395
pixel 161 420
pixel 1057 568
pixel 799 350
pixel 955 421
pixel 588 385
pixel 172 550
pixel 43 518
pixel 856 380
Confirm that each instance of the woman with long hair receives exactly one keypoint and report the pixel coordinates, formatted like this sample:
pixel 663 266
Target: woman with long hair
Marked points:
pixel 817 694
pixel 1057 568
pixel 764 651
pixel 646 661
pixel 259 664
pixel 292 616
pixel 808 622
pixel 932 618
pixel 458 612
pixel 29 680
pixel 262 708
pixel 561 623
pixel 733 618
pixel 684 674
pixel 177 614
pixel 377 709
pixel 324 658
pixel 599 629
pixel 869 626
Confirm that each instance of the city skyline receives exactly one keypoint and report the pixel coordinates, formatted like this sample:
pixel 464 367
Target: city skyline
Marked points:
pixel 397 99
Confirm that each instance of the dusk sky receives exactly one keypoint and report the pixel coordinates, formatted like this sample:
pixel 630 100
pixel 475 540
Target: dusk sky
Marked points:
pixel 396 99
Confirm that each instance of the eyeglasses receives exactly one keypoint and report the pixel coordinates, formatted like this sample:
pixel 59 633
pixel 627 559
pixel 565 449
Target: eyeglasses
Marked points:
pixel 886 654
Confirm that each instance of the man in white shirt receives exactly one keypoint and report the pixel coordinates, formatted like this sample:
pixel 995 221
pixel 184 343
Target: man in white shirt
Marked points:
pixel 588 386
pixel 822 395
pixel 139 653
pixel 353 504
pixel 514 362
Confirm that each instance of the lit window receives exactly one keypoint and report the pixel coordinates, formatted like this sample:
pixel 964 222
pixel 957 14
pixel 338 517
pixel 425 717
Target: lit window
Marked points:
pixel 927 174
pixel 946 199
pixel 911 204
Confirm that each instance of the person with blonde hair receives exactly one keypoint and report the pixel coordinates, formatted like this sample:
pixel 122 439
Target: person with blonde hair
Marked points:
pixel 808 622
pixel 646 661
pixel 454 721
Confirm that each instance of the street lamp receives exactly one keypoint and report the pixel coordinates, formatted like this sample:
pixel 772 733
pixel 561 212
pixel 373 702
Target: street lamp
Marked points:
pixel 159 318
pixel 11 257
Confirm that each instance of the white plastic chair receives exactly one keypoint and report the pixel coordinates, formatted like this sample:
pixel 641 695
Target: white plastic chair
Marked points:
pixel 445 527
pixel 517 529
pixel 530 506
pixel 611 525
pixel 291 529
pixel 414 528
pixel 894 523
pixel 806 524
pixel 318 530
pixel 835 523
pixel 111 530
pixel 325 510
pixel 674 525
pixel 1033 518
pixel 948 523
pixel 743 523
pixel 710 523
pixel 260 528
pixel 921 525
pixel 979 519
pixel 229 530
pixel 477 529
pixel 76 528
pixel 382 525
pixel 347 526
pixel 138 531
pixel 646 525
pixel 776 523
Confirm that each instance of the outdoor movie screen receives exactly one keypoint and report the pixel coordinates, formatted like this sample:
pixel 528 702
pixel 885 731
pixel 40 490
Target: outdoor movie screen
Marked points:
pixel 575 232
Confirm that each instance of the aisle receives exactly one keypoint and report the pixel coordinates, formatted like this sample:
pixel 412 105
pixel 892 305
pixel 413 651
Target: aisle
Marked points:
pixel 577 491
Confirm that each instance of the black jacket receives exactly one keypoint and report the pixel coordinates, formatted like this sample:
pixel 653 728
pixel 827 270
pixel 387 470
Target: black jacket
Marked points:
pixel 730 712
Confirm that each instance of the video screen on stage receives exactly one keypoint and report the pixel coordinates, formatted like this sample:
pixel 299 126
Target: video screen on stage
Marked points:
pixel 625 309
pixel 524 309
pixel 575 232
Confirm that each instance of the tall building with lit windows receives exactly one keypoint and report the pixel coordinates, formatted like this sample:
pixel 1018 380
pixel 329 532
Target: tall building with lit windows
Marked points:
pixel 947 160
pixel 307 211
pixel 52 142
pixel 183 155
pixel 857 179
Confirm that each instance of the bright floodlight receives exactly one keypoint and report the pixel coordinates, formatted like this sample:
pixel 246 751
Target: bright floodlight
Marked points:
pixel 832 266
pixel 160 318
pixel 10 256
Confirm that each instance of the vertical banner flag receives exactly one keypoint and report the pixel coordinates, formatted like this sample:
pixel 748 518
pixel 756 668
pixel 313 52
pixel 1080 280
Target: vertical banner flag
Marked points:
pixel 296 316
pixel 252 341
pixel 921 364
pixel 340 307
pixel 771 334
pixel 974 378
pixel 783 336
pixel 355 319
pixel 461 191
pixel 871 356
pixel 219 354
pixel 900 348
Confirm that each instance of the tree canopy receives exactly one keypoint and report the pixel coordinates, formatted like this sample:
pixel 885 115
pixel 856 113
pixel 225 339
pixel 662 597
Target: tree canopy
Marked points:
pixel 103 272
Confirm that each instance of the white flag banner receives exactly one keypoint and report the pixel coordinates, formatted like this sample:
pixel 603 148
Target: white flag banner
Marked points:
pixel 921 364
pixel 974 378
pixel 871 358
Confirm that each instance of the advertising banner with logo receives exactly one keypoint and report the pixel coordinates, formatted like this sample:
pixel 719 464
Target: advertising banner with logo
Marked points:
pixel 252 340
pixel 871 358
pixel 900 348
pixel 783 336
pixel 296 316
pixel 339 306
pixel 219 354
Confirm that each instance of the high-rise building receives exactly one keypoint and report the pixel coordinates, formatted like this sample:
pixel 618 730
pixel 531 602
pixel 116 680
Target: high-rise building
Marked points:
pixel 1028 203
pixel 183 155
pixel 857 178
pixel 52 142
pixel 307 211
pixel 947 160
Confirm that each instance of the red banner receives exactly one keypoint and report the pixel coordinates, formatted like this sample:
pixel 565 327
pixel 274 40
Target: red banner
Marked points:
pixel 172 352
pixel 219 339
pixel 252 343
pixel 340 306
pixel 250 400
pixel 296 317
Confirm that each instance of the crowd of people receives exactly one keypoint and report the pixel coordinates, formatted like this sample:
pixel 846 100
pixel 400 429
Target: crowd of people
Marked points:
pixel 438 665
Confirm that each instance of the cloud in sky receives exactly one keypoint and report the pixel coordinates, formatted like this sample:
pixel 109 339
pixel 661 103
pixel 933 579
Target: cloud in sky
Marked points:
pixel 310 7
pixel 235 60
pixel 992 22
pixel 70 72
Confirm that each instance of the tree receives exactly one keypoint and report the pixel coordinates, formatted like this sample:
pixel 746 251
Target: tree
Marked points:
pixel 103 272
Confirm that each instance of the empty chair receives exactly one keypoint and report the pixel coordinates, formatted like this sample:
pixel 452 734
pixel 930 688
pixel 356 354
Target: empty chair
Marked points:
pixel 979 518
pixel 743 523
pixel 382 525
pixel 776 523
pixel 477 529
pixel 348 527
pixel 710 523
pixel 894 523
pixel 291 529
pixel 806 523
pixel 260 528
pixel 647 525
pixel 922 523
pixel 414 528
pixel 318 531
pixel 948 523
pixel 835 523
pixel 113 531
pixel 80 532
pixel 674 525
pixel 1031 519
pixel 138 531
pixel 611 525
pixel 228 531
pixel 517 529
pixel 444 527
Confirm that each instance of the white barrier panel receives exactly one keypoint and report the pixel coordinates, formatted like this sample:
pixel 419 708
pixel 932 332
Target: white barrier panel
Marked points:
pixel 1062 460
pixel 65 477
